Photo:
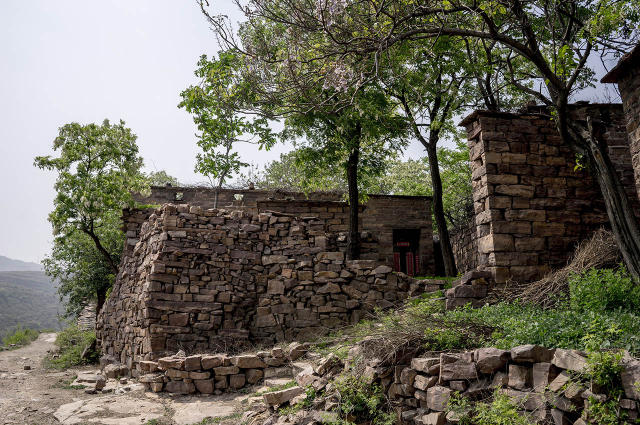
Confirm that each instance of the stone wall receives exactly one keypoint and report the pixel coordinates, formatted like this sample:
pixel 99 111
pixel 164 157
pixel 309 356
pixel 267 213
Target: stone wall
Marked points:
pixel 543 382
pixel 627 75
pixel 464 242
pixel 531 205
pixel 211 281
pixel 379 217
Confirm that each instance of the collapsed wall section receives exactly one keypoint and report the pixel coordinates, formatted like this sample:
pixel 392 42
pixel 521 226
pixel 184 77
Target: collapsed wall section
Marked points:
pixel 532 204
pixel 211 280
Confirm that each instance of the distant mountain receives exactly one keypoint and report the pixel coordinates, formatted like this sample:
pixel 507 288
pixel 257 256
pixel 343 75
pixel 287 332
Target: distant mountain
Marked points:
pixel 10 265
pixel 28 299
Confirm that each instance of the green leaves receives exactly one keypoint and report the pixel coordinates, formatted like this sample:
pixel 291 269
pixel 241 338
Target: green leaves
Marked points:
pixel 98 170
pixel 221 106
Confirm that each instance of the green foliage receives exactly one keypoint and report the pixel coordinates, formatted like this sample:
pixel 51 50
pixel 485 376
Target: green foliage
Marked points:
pixel 604 369
pixel 359 401
pixel 20 337
pixel 161 178
pixel 604 290
pixel 606 412
pixel 517 324
pixel 81 270
pixel 28 299
pixel 98 171
pixel 501 411
pixel 71 343
pixel 218 104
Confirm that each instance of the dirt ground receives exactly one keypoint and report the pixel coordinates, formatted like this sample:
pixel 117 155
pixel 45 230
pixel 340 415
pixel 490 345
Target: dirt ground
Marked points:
pixel 42 396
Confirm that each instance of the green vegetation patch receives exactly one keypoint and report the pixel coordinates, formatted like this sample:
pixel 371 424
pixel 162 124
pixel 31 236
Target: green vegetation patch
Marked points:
pixel 20 337
pixel 72 344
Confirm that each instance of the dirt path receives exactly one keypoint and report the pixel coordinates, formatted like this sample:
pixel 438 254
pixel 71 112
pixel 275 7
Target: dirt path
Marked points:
pixel 41 396
pixel 31 396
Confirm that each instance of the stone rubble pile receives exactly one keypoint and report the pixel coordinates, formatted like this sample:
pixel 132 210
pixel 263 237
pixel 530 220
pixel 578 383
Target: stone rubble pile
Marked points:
pixel 471 288
pixel 543 382
pixel 218 281
pixel 217 373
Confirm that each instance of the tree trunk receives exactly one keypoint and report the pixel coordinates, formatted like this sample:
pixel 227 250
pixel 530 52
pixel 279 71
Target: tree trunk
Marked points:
pixel 624 224
pixel 623 220
pixel 353 247
pixel 438 207
pixel 101 297
pixel 103 251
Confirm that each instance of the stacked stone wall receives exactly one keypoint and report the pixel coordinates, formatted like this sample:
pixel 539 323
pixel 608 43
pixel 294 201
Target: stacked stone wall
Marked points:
pixel 630 92
pixel 532 205
pixel 379 216
pixel 464 242
pixel 543 382
pixel 211 280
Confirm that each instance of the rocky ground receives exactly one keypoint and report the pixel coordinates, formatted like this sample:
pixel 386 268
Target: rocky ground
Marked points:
pixel 31 394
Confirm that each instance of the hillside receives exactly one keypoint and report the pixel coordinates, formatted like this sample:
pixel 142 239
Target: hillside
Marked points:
pixel 29 299
pixel 11 265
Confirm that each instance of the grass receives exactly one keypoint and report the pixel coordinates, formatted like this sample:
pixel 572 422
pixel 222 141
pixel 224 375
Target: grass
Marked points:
pixel 213 421
pixel 20 337
pixel 599 313
pixel 71 343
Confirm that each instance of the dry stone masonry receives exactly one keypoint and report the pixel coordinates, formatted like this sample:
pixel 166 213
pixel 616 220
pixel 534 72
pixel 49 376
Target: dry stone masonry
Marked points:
pixel 532 205
pixel 218 281
pixel 627 75
pixel 543 382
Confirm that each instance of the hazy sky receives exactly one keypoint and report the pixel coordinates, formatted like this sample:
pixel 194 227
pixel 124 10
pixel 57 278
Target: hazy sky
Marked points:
pixel 86 60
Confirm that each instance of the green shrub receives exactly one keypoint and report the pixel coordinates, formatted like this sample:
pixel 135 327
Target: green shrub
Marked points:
pixel 21 337
pixel 361 402
pixel 604 290
pixel 72 342
pixel 501 411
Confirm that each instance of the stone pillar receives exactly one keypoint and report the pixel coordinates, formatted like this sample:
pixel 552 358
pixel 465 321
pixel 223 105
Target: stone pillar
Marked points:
pixel 531 204
pixel 627 75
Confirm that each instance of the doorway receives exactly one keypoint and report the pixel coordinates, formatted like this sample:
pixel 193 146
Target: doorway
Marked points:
pixel 405 251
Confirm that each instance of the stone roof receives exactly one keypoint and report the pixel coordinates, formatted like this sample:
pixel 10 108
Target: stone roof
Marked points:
pixel 631 59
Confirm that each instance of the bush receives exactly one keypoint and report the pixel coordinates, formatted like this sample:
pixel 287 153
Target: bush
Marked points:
pixel 361 402
pixel 21 337
pixel 500 411
pixel 72 342
pixel 604 290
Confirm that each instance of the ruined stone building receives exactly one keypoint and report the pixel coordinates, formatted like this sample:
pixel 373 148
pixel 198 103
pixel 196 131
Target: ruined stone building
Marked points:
pixel 214 272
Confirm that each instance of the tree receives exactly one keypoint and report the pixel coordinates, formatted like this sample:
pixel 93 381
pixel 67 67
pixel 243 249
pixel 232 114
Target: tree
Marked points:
pixel 98 171
pixel 161 178
pixel 218 104
pixel 549 44
pixel 81 270
pixel 358 137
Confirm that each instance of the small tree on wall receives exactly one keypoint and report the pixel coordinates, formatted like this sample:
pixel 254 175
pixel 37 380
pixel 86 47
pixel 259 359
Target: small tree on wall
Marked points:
pixel 98 170
pixel 218 105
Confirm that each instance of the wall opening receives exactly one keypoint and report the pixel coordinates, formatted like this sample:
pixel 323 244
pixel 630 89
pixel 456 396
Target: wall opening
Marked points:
pixel 405 250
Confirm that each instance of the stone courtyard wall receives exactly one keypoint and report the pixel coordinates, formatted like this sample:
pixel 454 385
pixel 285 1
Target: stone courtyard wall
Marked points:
pixel 531 204
pixel 211 281
pixel 379 216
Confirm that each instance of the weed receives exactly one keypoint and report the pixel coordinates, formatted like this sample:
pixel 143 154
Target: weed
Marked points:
pixel 72 343
pixel 20 337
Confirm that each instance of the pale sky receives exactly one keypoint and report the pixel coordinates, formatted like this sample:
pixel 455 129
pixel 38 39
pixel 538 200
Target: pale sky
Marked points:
pixel 86 60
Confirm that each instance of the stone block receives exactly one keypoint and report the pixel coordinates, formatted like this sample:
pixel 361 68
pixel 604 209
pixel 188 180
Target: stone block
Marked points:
pixel 237 381
pixel 572 360
pixel 248 362
pixel 519 376
pixel 438 397
pixel 193 363
pixel 490 360
pixel 205 386
pixel 278 398
pixel 531 354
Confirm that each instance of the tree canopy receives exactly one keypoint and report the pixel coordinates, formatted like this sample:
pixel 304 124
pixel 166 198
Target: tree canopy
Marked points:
pixel 98 171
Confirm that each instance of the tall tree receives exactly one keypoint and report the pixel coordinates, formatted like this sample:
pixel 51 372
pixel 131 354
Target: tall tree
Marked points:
pixel 549 45
pixel 219 105
pixel 98 171
pixel 358 138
